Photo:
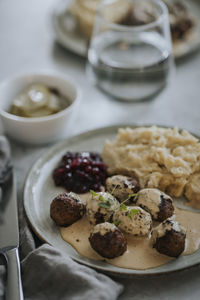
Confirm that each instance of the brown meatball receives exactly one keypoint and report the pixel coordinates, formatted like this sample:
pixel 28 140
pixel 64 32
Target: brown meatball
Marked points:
pixel 107 240
pixel 169 238
pixel 100 207
pixel 172 244
pixel 166 209
pixel 100 218
pixel 122 187
pixel 157 203
pixel 66 209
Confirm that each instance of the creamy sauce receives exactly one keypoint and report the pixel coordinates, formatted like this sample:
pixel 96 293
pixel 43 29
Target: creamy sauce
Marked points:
pixel 139 254
pixel 191 222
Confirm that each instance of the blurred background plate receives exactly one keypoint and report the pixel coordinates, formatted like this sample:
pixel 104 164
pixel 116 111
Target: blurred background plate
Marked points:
pixel 66 29
pixel 68 35
pixel 40 190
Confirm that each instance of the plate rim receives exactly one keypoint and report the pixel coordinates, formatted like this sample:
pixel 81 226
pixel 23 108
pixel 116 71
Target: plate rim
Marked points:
pixel 60 145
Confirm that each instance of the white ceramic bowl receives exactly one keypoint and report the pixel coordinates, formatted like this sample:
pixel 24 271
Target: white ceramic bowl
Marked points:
pixel 43 129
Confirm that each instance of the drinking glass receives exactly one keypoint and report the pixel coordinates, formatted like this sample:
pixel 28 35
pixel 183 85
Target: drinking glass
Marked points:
pixel 130 54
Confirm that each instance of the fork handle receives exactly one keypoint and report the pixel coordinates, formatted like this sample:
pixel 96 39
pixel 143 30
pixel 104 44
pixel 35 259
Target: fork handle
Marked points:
pixel 14 285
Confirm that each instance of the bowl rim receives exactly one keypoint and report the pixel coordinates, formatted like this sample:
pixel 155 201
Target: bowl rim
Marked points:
pixel 45 73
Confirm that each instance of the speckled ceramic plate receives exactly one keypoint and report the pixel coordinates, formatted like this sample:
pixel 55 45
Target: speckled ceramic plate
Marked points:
pixel 40 190
pixel 68 35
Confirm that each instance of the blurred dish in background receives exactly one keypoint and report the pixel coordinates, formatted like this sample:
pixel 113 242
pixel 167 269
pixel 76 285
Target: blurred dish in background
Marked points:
pixel 73 23
pixel 130 63
pixel 85 12
pixel 38 127
pixel 184 26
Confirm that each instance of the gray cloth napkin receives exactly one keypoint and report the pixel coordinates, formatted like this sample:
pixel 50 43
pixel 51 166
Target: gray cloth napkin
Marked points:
pixel 49 274
pixel 56 276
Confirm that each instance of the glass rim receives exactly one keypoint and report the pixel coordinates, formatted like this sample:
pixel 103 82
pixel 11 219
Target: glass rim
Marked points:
pixel 158 21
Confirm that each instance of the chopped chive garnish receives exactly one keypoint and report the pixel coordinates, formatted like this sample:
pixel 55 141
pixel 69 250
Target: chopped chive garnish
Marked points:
pixel 104 204
pixel 132 195
pixel 113 189
pixel 111 200
pixel 116 222
pixel 132 212
pixel 101 198
pixel 93 193
pixel 123 207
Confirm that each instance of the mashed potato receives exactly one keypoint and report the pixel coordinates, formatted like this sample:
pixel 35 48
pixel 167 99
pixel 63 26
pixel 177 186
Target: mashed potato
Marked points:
pixel 163 158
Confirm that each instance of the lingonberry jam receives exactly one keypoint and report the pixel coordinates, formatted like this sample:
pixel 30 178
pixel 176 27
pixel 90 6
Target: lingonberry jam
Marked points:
pixel 80 172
